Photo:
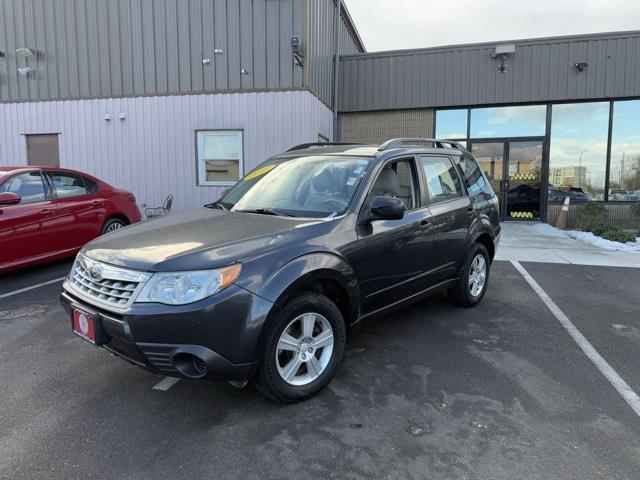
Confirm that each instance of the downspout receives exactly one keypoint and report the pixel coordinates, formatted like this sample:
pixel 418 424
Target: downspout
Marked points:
pixel 336 65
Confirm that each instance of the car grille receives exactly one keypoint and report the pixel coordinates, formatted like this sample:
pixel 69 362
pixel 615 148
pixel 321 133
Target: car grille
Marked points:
pixel 104 284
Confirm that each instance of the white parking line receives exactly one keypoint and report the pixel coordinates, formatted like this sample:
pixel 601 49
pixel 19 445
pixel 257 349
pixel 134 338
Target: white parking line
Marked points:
pixel 601 364
pixel 26 289
pixel 165 384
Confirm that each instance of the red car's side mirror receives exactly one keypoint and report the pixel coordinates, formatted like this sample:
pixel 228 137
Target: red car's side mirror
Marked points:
pixel 9 198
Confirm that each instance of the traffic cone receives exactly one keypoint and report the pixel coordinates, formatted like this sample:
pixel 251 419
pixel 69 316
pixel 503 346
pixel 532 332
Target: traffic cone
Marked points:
pixel 562 220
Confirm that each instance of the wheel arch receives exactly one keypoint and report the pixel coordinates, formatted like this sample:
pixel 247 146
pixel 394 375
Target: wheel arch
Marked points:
pixel 322 273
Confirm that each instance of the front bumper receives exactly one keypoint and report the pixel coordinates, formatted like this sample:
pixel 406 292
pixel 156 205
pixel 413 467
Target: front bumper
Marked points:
pixel 213 339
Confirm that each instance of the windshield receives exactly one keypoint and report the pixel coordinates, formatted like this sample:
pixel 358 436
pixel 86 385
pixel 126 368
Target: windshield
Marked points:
pixel 313 186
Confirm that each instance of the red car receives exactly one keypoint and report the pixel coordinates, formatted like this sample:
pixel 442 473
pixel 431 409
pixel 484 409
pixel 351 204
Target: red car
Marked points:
pixel 50 213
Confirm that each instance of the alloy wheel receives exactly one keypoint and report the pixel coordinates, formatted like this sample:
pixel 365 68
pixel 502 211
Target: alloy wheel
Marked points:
pixel 304 349
pixel 113 227
pixel 477 275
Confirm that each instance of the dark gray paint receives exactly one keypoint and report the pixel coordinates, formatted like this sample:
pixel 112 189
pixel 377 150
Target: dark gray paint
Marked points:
pixel 116 48
pixel 321 45
pixel 540 70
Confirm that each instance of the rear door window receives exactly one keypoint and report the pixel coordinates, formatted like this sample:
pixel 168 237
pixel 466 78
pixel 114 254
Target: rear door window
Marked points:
pixel 68 184
pixel 441 179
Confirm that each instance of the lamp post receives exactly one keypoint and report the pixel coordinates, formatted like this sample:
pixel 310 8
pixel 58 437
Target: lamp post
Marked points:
pixel 580 168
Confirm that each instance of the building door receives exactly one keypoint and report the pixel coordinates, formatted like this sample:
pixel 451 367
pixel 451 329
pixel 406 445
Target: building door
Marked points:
pixel 513 167
pixel 42 150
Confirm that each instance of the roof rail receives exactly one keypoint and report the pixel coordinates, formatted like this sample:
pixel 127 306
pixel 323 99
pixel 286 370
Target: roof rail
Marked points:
pixel 413 142
pixel 302 146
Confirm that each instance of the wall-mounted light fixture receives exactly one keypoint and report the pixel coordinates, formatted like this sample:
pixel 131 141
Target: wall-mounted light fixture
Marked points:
pixel 244 71
pixel 206 61
pixel 503 51
pixel 107 117
pixel 217 51
pixel 122 116
pixel 25 52
pixel 296 47
pixel 25 71
pixel 580 66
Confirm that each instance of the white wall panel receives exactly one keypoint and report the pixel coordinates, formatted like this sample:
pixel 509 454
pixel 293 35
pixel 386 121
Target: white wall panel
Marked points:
pixel 152 152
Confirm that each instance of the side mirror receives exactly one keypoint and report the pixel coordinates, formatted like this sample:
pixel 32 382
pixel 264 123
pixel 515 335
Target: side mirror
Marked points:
pixel 387 208
pixel 9 198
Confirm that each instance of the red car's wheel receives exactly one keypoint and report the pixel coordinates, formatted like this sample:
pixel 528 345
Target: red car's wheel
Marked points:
pixel 112 225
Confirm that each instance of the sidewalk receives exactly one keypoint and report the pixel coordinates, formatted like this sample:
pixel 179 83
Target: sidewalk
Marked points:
pixel 539 242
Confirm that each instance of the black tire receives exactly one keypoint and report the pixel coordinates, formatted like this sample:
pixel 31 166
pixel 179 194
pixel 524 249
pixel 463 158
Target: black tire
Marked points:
pixel 270 382
pixel 461 294
pixel 113 224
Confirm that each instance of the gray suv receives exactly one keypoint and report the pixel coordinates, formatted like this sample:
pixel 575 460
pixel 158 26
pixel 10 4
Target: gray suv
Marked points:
pixel 265 283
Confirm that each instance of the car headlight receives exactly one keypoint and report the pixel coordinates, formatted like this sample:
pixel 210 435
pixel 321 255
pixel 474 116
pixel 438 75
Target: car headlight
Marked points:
pixel 180 288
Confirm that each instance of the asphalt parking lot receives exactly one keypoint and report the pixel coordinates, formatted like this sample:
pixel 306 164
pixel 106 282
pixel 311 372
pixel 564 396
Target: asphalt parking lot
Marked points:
pixel 500 391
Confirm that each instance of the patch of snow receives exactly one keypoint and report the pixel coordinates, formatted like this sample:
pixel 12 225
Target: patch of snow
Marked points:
pixel 547 230
pixel 592 239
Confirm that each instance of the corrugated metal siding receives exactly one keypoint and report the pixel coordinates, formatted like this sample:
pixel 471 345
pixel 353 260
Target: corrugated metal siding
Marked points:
pixel 321 39
pixel 112 48
pixel 377 127
pixel 152 152
pixel 540 70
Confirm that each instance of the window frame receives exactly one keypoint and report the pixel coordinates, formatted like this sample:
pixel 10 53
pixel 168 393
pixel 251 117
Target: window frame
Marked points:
pixel 54 191
pixel 48 194
pixel 201 180
pixel 417 183
pixel 423 178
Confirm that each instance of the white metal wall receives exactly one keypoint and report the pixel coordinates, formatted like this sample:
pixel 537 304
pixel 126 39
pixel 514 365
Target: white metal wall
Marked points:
pixel 152 152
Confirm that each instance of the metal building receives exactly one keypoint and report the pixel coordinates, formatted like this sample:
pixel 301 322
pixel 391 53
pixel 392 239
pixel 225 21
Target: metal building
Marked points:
pixel 182 97
pixel 166 96
pixel 547 118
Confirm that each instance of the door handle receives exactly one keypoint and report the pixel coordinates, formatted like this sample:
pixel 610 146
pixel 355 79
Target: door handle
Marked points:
pixel 425 223
pixel 46 211
pixel 96 203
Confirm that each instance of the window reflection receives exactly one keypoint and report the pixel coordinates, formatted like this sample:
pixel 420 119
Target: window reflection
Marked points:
pixel 451 124
pixel 624 172
pixel 517 121
pixel 578 155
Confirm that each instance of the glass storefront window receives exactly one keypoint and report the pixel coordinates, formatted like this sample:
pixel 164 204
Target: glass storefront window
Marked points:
pixel 451 124
pixel 578 154
pixel 624 170
pixel 517 121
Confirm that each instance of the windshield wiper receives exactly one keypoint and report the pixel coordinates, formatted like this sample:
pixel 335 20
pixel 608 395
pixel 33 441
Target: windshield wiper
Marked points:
pixel 264 211
pixel 219 205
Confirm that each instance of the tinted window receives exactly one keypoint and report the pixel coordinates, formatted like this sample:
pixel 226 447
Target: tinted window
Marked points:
pixel 474 180
pixel 451 124
pixel 397 180
pixel 68 184
pixel 518 121
pixel 28 185
pixel 578 157
pixel 624 173
pixel 92 187
pixel 442 179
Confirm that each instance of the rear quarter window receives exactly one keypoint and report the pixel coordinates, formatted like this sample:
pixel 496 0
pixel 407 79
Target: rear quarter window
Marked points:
pixel 474 180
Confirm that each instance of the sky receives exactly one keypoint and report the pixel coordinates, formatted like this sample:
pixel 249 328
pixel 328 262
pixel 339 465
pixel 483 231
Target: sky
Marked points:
pixel 398 24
